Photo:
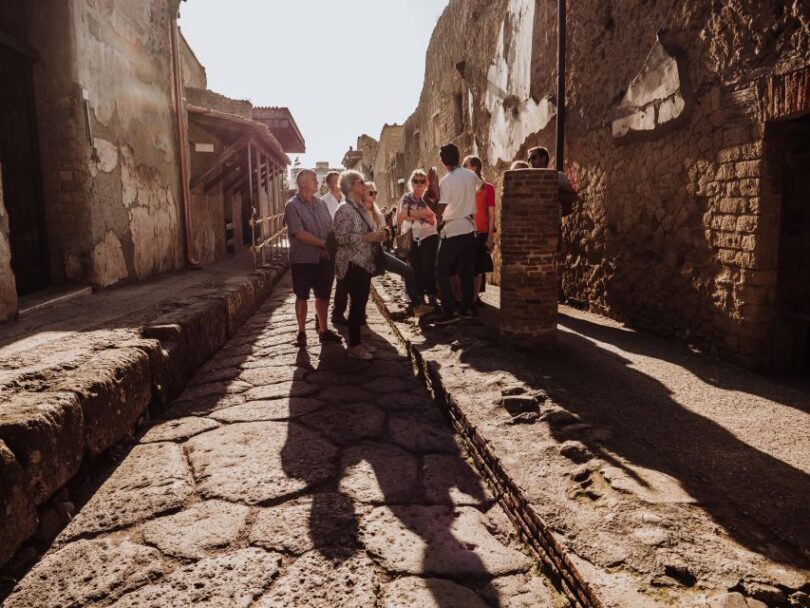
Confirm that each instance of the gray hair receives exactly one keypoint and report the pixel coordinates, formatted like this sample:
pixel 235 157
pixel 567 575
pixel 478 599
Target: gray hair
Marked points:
pixel 416 173
pixel 348 179
pixel 302 173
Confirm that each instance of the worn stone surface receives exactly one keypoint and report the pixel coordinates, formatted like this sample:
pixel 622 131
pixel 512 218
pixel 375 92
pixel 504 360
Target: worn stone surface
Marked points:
pixel 451 480
pixel 280 390
pixel 84 572
pixel 259 461
pixel 180 429
pixel 437 540
pixel 234 579
pixel 378 474
pixel 46 433
pixel 329 504
pixel 16 505
pixel 347 424
pixel 644 510
pixel 420 437
pixel 317 521
pixel 316 582
pixel 153 479
pixel 195 532
pixel 411 591
pixel 113 394
pixel 276 409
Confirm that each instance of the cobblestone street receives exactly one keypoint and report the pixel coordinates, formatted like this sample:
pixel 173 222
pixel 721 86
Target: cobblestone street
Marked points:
pixel 287 477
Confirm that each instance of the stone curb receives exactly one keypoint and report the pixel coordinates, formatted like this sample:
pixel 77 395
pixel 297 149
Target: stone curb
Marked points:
pixel 44 436
pixel 531 527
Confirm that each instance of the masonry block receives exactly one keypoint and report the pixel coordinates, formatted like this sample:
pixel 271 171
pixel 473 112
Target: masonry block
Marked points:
pixel 530 232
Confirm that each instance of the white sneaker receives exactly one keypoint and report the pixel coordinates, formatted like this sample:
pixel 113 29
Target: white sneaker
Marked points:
pixel 358 352
pixel 420 310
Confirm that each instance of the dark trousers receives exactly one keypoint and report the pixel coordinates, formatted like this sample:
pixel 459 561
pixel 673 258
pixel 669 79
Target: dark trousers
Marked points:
pixel 457 256
pixel 341 299
pixel 358 286
pixel 423 262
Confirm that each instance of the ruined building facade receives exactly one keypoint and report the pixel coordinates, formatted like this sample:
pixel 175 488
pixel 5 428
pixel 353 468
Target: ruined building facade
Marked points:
pixel 686 134
pixel 98 148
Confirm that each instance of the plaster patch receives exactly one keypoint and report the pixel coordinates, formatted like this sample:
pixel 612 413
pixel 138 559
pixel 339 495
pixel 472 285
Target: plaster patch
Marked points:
pixel 514 113
pixel 107 153
pixel 109 264
pixel 653 98
pixel 154 236
pixel 129 184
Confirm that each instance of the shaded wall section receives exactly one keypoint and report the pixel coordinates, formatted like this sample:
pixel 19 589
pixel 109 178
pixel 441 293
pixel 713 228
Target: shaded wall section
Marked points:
pixel 677 229
pixel 8 288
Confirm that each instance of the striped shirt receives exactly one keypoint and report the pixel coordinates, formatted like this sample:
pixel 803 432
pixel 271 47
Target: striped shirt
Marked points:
pixel 314 218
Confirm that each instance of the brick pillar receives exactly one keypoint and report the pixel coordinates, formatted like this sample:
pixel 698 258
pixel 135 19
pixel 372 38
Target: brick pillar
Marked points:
pixel 530 232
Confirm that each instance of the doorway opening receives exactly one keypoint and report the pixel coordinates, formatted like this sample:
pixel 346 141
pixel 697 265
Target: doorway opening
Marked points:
pixel 19 158
pixel 792 335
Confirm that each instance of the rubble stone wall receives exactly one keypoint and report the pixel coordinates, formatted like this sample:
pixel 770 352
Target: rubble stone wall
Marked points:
pixel 108 138
pixel 677 231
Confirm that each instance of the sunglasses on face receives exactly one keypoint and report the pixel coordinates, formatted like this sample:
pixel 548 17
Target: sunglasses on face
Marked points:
pixel 419 182
pixel 372 193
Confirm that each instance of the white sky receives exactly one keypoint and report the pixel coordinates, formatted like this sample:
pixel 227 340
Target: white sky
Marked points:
pixel 296 54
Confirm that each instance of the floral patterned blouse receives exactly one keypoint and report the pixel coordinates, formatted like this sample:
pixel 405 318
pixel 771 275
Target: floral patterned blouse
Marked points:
pixel 349 229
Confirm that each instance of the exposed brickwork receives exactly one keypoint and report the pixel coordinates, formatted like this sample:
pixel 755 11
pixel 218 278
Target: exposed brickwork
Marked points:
pixel 530 228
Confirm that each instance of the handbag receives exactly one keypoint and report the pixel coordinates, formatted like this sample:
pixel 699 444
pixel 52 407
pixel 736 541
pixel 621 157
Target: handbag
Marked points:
pixel 405 244
pixel 376 248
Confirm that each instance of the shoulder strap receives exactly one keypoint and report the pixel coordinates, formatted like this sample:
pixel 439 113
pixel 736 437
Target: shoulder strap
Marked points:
pixel 362 217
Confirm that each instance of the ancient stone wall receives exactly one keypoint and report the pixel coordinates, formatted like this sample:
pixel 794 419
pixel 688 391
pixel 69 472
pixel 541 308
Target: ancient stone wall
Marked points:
pixel 108 138
pixel 8 288
pixel 666 142
pixel 383 172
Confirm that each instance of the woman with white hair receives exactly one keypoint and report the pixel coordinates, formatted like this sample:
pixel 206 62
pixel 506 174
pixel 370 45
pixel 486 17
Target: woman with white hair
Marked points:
pixel 358 238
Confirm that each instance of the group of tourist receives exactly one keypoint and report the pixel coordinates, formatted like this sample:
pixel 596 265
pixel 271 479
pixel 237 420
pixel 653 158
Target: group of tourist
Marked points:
pixel 338 239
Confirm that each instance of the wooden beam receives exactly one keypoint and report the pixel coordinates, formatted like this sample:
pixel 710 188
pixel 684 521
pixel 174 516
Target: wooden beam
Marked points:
pixel 225 173
pixel 214 170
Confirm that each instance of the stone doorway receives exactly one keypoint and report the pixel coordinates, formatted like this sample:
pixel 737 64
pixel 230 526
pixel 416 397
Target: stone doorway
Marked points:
pixel 19 156
pixel 791 141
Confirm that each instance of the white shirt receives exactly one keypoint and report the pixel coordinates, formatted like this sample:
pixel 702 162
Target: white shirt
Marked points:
pixel 457 190
pixel 332 203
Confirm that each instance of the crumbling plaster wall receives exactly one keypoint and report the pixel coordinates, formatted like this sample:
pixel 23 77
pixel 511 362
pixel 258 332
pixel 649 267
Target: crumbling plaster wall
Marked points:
pixel 111 191
pixel 675 229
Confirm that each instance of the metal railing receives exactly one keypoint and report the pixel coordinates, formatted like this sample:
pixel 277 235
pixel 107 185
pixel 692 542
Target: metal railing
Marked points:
pixel 269 236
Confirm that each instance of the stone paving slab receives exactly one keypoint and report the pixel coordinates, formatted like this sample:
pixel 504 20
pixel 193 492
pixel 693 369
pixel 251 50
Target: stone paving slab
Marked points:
pixel 319 501
pixel 79 378
pixel 622 471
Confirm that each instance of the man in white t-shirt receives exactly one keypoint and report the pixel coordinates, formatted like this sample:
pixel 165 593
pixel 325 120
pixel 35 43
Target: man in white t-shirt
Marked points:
pixel 334 197
pixel 457 247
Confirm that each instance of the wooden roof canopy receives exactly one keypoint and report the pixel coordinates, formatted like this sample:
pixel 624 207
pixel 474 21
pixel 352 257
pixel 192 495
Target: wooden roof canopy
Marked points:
pixel 240 134
pixel 283 126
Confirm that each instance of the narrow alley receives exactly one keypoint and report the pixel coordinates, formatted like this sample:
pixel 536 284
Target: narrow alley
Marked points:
pixel 292 477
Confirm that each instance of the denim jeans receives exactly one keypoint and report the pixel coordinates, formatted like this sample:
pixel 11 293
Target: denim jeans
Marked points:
pixel 457 256
pixel 358 284
pixel 397 266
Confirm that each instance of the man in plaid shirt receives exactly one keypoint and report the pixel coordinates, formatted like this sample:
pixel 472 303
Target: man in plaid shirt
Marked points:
pixel 538 159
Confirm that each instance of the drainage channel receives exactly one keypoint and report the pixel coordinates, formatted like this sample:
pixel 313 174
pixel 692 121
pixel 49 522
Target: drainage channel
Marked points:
pixel 533 531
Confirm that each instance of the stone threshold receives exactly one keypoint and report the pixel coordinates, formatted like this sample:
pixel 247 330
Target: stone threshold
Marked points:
pixel 553 530
pixel 82 377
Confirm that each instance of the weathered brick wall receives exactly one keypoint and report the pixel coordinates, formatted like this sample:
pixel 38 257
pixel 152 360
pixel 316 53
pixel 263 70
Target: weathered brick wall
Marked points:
pixel 530 229
pixel 677 230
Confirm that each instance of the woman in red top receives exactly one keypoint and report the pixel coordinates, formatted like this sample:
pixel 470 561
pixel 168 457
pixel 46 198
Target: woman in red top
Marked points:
pixel 484 224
